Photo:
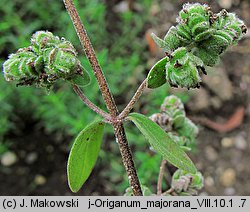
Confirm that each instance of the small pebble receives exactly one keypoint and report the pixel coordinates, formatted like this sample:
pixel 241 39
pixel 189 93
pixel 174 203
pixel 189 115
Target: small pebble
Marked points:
pixel 228 177
pixel 230 191
pixel 40 180
pixel 31 157
pixel 8 159
pixel 227 4
pixel 227 142
pixel 209 181
pixel 211 154
pixel 121 7
pixel 240 142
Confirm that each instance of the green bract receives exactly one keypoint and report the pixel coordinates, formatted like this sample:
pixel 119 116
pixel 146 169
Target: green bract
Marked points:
pixel 198 39
pixel 48 59
pixel 228 31
pixel 172 119
pixel 187 182
pixel 172 41
pixel 24 64
pixel 174 108
pixel 184 69
pixel 195 19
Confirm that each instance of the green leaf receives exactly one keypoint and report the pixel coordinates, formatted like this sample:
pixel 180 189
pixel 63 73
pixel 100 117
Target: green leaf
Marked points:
pixel 162 142
pixel 82 79
pixel 83 154
pixel 161 43
pixel 157 74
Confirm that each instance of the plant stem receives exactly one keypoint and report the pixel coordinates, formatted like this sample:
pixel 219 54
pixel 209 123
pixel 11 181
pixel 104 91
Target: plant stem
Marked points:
pixel 160 177
pixel 90 53
pixel 90 104
pixel 108 98
pixel 134 99
pixel 127 159
pixel 170 191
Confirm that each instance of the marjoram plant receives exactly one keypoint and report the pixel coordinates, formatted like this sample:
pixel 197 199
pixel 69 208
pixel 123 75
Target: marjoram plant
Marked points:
pixel 197 41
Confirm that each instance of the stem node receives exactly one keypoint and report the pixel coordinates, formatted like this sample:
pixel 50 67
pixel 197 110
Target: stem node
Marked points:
pixel 108 98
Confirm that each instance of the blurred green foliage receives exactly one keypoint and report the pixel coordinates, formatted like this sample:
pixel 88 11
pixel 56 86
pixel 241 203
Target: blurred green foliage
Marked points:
pixel 122 52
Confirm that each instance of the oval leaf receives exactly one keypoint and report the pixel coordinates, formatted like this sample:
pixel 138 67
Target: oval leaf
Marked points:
pixel 157 75
pixel 162 143
pixel 83 154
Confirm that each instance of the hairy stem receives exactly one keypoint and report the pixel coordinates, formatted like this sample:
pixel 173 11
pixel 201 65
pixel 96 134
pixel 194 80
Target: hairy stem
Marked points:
pixel 127 159
pixel 134 99
pixel 90 104
pixel 107 96
pixel 90 53
pixel 160 177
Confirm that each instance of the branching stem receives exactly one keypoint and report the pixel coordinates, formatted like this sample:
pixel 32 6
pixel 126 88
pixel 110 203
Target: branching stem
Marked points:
pixel 90 53
pixel 90 104
pixel 108 98
pixel 134 99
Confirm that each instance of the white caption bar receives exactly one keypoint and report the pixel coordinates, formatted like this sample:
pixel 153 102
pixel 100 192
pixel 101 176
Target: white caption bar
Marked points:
pixel 155 203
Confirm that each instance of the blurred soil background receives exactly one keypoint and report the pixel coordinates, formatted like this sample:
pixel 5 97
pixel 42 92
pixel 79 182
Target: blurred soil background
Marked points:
pixel 37 127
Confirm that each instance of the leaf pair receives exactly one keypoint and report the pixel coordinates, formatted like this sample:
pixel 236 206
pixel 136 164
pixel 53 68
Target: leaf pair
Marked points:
pixel 85 149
